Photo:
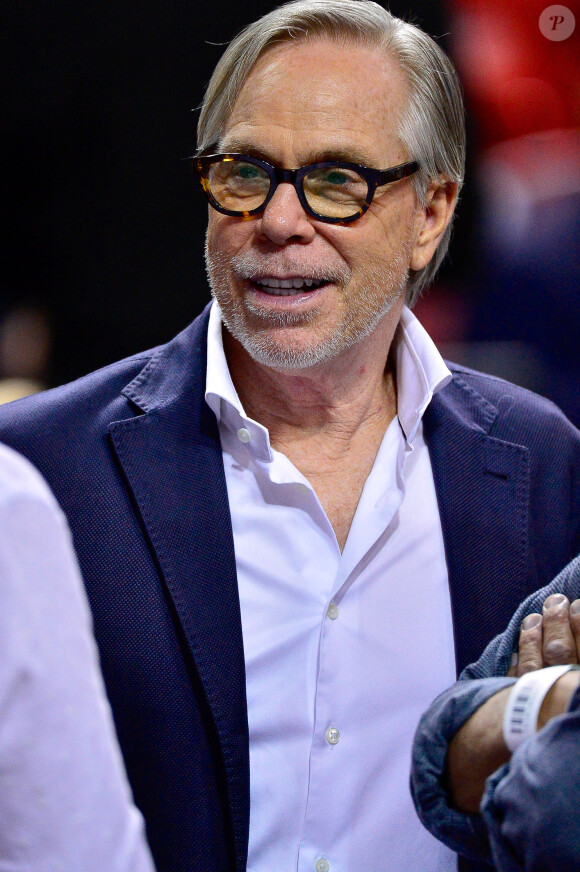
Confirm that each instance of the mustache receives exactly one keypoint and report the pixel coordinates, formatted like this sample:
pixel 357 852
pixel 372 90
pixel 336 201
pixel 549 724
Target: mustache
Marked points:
pixel 254 264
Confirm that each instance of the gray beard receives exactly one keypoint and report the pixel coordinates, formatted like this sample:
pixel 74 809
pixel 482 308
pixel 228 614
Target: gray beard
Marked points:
pixel 260 345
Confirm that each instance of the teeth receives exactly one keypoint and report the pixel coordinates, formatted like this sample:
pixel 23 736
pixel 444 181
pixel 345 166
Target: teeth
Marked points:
pixel 293 284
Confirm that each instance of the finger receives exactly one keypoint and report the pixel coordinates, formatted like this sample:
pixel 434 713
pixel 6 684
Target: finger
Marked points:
pixel 530 645
pixel 558 645
pixel 575 625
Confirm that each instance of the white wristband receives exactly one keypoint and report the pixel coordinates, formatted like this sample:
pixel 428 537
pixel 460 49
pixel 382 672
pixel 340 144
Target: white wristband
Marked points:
pixel 520 720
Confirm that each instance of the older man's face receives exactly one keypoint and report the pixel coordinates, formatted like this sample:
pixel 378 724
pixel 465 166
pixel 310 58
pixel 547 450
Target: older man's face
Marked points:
pixel 304 103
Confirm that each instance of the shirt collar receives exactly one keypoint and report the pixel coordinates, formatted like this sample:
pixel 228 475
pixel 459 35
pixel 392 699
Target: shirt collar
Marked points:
pixel 221 395
pixel 420 373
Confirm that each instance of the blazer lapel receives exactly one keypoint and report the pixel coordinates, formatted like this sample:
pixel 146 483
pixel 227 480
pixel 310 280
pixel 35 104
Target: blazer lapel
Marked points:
pixel 172 460
pixel 482 486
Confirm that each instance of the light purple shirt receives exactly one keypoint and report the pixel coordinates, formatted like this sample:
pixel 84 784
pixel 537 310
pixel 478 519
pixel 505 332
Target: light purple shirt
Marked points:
pixel 343 650
pixel 65 803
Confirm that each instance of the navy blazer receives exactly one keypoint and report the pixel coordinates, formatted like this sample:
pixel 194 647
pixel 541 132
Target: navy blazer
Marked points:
pixel 133 455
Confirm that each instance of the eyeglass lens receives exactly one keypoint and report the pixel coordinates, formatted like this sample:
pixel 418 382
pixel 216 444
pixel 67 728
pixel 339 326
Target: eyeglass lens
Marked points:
pixel 335 192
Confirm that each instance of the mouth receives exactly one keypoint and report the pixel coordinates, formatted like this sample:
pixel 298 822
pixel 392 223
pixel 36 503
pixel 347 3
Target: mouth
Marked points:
pixel 287 287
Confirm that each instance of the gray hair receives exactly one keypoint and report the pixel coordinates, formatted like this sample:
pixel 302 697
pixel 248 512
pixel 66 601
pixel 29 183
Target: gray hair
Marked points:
pixel 432 127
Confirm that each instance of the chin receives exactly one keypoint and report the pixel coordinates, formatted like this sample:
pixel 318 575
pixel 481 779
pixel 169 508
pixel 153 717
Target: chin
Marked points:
pixel 286 359
pixel 288 353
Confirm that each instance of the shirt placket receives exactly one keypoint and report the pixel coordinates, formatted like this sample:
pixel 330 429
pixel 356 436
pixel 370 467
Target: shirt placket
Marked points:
pixel 332 748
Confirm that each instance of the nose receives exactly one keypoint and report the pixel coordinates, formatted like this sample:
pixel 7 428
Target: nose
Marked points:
pixel 284 220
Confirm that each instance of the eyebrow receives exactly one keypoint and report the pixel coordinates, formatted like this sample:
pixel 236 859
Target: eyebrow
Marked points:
pixel 339 153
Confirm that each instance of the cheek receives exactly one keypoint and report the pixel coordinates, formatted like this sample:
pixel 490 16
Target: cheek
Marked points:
pixel 364 246
pixel 393 218
pixel 214 235
pixel 227 235
pixel 346 242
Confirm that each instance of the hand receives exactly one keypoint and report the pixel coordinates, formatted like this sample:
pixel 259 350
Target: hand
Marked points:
pixel 549 639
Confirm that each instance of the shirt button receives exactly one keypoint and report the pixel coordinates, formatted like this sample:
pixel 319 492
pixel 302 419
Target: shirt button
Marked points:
pixel 332 612
pixel 322 865
pixel 332 736
pixel 244 434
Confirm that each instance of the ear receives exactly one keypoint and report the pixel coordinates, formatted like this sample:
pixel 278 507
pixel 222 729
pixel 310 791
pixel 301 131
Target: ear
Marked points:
pixel 432 220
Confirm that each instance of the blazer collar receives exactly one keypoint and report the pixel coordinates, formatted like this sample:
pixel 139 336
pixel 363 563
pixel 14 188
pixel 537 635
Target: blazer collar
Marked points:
pixel 175 374
pixel 482 485
pixel 171 457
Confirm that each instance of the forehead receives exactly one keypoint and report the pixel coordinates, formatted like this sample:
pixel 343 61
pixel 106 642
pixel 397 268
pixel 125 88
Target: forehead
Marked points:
pixel 319 95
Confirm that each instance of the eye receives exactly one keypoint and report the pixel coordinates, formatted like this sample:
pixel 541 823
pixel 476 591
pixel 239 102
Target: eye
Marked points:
pixel 336 177
pixel 248 171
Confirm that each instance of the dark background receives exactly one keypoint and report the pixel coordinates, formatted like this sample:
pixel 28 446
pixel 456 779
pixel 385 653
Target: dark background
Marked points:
pixel 103 221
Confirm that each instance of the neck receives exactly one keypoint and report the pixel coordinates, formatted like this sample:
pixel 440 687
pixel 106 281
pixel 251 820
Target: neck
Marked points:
pixel 332 402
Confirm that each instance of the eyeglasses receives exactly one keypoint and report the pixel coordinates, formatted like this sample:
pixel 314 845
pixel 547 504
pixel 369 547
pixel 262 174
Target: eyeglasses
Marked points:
pixel 334 191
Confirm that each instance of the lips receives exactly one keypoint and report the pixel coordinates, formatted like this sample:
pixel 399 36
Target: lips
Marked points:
pixel 289 286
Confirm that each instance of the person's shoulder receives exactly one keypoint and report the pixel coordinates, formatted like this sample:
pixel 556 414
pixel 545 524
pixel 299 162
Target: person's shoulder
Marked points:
pixel 107 392
pixel 19 479
pixel 59 426
pixel 86 390
pixel 495 389
pixel 68 427
pixel 512 403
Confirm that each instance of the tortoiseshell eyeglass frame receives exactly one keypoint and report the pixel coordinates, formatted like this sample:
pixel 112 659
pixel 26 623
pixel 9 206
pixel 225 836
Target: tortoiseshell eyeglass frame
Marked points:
pixel 374 179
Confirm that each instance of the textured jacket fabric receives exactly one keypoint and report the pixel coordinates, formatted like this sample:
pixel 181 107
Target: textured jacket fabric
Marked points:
pixel 529 819
pixel 133 455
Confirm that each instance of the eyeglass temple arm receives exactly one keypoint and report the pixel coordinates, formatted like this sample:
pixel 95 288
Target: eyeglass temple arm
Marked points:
pixel 395 174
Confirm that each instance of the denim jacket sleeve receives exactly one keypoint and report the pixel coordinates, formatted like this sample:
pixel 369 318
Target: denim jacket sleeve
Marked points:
pixel 530 806
pixel 464 833
pixel 521 824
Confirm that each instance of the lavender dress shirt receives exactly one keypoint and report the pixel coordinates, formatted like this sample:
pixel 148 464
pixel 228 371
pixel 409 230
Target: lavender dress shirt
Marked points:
pixel 65 803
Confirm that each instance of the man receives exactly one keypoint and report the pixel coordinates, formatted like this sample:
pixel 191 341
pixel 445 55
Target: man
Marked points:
pixel 278 513
pixel 496 769
pixel 64 798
